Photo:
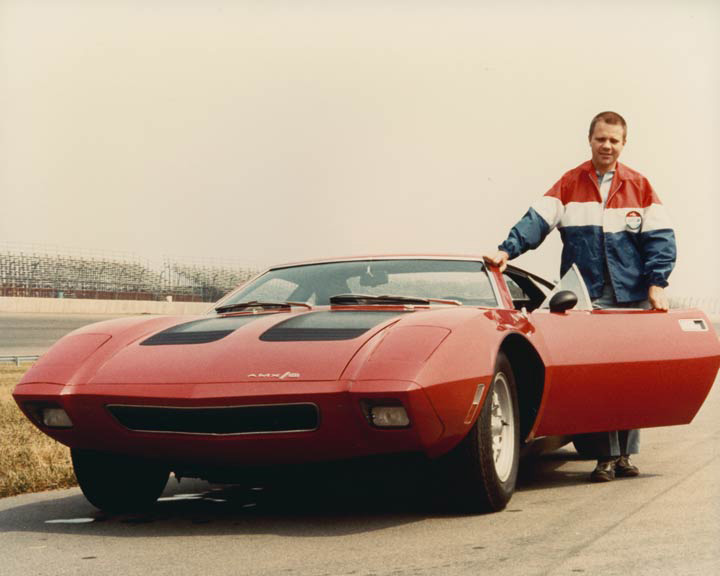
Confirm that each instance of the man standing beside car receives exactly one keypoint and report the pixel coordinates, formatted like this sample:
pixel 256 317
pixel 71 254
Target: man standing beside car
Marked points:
pixel 615 229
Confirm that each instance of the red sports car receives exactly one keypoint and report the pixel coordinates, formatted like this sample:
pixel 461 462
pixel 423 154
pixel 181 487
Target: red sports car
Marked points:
pixel 339 359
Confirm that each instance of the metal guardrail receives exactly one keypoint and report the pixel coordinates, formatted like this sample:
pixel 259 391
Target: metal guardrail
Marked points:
pixel 17 359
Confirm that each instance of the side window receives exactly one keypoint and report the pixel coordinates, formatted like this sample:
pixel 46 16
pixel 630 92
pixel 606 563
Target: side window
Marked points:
pixel 573 281
pixel 524 292
pixel 516 293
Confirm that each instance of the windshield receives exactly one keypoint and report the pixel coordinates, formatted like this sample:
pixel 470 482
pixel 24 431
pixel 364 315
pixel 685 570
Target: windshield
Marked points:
pixel 463 280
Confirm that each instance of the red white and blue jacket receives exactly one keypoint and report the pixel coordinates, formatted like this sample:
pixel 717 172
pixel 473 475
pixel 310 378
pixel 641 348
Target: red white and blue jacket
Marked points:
pixel 631 233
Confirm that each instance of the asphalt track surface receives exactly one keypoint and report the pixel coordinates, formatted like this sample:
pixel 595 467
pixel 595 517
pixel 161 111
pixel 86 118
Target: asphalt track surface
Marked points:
pixel 33 334
pixel 664 522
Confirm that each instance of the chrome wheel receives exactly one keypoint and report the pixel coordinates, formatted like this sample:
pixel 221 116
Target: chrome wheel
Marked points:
pixel 482 469
pixel 502 426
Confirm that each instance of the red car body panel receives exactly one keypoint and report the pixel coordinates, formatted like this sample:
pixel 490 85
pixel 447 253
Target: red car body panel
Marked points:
pixel 602 370
pixel 231 359
pixel 622 369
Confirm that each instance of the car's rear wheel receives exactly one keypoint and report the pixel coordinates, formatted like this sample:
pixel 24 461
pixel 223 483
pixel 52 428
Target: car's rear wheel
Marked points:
pixel 484 465
pixel 116 483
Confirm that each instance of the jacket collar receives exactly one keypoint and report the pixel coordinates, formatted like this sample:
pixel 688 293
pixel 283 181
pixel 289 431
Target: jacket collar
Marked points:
pixel 621 174
pixel 621 171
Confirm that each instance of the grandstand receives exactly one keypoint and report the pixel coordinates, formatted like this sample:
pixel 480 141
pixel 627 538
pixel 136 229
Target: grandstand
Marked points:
pixel 29 270
pixel 52 272
pixel 212 280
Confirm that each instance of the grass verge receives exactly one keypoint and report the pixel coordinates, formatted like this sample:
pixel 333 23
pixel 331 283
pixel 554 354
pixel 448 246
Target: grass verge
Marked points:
pixel 29 460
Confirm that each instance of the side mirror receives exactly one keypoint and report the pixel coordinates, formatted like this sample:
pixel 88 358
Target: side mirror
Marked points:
pixel 563 300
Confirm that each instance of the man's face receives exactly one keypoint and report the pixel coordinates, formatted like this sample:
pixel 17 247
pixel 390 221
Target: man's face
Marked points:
pixel 606 142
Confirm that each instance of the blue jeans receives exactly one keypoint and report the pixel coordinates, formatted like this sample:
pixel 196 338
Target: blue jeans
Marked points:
pixel 607 300
pixel 607 445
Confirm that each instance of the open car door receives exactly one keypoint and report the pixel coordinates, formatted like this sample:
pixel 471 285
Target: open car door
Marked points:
pixel 619 369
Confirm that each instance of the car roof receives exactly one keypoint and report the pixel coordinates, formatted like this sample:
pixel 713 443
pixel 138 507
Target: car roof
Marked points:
pixel 379 257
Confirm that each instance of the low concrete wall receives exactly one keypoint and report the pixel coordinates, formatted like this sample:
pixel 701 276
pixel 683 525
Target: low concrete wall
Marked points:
pixel 19 305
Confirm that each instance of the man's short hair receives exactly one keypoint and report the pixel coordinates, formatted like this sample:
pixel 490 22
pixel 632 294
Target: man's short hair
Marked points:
pixel 609 118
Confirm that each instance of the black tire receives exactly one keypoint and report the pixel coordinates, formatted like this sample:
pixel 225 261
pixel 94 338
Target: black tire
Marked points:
pixel 477 482
pixel 116 483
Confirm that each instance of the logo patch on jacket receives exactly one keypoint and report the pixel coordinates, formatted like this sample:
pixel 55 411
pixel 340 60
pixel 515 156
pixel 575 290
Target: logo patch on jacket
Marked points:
pixel 633 220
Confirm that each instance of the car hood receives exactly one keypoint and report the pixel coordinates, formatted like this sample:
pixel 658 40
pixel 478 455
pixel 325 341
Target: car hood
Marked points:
pixel 314 345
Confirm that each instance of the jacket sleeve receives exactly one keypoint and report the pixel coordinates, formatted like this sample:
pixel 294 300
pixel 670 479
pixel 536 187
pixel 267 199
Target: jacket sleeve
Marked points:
pixel 657 242
pixel 536 224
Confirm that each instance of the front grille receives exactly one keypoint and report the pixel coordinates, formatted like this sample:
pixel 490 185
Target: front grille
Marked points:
pixel 255 419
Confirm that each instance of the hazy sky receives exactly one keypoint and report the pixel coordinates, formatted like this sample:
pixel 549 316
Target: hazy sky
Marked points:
pixel 281 130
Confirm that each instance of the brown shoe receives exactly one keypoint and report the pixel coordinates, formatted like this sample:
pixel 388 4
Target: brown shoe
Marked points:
pixel 604 471
pixel 624 468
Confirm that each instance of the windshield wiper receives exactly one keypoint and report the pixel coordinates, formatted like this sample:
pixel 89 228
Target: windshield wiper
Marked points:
pixel 385 299
pixel 256 304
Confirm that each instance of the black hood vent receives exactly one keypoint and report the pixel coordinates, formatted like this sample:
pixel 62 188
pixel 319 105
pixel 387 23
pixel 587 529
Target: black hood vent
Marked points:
pixel 199 331
pixel 324 326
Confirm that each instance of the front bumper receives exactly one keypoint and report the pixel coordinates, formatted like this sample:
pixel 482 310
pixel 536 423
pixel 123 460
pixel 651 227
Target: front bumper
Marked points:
pixel 342 429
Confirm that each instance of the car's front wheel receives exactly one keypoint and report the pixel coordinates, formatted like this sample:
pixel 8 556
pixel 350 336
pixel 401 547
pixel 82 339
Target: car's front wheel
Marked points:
pixel 116 483
pixel 484 465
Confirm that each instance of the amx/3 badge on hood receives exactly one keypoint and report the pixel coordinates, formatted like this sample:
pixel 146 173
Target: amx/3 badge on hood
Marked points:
pixel 275 376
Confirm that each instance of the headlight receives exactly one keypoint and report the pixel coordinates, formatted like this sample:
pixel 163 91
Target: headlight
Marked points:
pixel 56 418
pixel 383 415
pixel 48 415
